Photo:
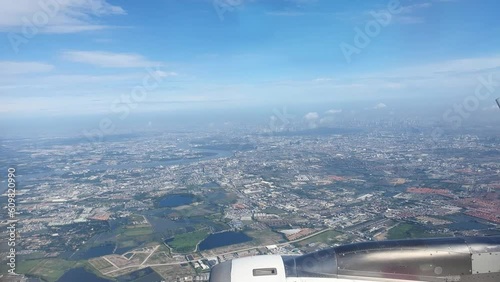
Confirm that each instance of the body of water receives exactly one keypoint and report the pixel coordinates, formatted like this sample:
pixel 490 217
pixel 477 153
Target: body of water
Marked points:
pixel 223 239
pixel 121 251
pixel 172 201
pixel 465 222
pixel 98 251
pixel 81 275
pixel 143 275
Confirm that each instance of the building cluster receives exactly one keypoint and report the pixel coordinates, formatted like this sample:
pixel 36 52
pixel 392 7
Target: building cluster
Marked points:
pixel 360 183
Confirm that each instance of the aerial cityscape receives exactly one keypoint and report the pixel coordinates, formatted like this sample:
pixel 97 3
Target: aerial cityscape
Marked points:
pixel 228 140
pixel 167 207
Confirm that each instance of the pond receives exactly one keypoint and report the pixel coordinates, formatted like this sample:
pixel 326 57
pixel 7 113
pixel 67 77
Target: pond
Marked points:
pixel 143 275
pixel 97 251
pixel 223 239
pixel 465 222
pixel 172 201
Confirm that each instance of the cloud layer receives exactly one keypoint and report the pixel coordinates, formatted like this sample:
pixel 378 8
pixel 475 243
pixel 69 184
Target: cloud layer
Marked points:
pixel 108 59
pixel 55 16
pixel 14 67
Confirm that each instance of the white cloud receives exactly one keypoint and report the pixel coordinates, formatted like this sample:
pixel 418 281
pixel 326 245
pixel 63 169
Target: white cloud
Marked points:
pixel 414 7
pixel 312 119
pixel 108 59
pixel 408 12
pixel 425 81
pixel 333 111
pixel 13 68
pixel 327 120
pixel 380 106
pixel 312 116
pixel 55 16
pixel 74 79
pixel 19 83
pixel 285 13
pixel 406 16
pixel 455 66
pixel 73 28
pixel 457 74
pixel 165 74
pixel 323 79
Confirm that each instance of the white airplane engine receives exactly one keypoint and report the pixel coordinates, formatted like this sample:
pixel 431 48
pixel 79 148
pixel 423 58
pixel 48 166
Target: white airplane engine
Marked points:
pixel 434 260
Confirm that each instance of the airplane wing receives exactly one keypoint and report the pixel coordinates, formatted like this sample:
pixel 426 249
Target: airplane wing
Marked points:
pixel 439 259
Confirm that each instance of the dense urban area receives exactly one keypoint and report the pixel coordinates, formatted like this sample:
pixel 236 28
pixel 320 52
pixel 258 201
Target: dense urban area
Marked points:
pixel 157 206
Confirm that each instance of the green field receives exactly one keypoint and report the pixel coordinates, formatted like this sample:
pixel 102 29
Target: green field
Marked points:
pixel 134 236
pixel 126 243
pixel 27 265
pixel 138 231
pixel 408 231
pixel 265 237
pixel 327 237
pixel 47 269
pixel 186 243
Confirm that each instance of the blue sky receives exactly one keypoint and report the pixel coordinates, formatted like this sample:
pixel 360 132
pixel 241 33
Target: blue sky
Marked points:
pixel 88 56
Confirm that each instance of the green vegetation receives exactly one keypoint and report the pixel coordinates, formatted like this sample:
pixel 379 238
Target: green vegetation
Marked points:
pixel 32 256
pixel 100 264
pixel 140 231
pixel 407 231
pixel 135 218
pixel 126 243
pixel 192 211
pixel 133 236
pixel 273 210
pixel 47 269
pixel 90 268
pixel 221 198
pixel 136 234
pixel 265 236
pixel 26 266
pixel 187 242
pixel 328 237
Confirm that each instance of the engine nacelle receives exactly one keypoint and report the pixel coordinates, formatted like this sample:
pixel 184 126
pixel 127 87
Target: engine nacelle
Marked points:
pixel 434 260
